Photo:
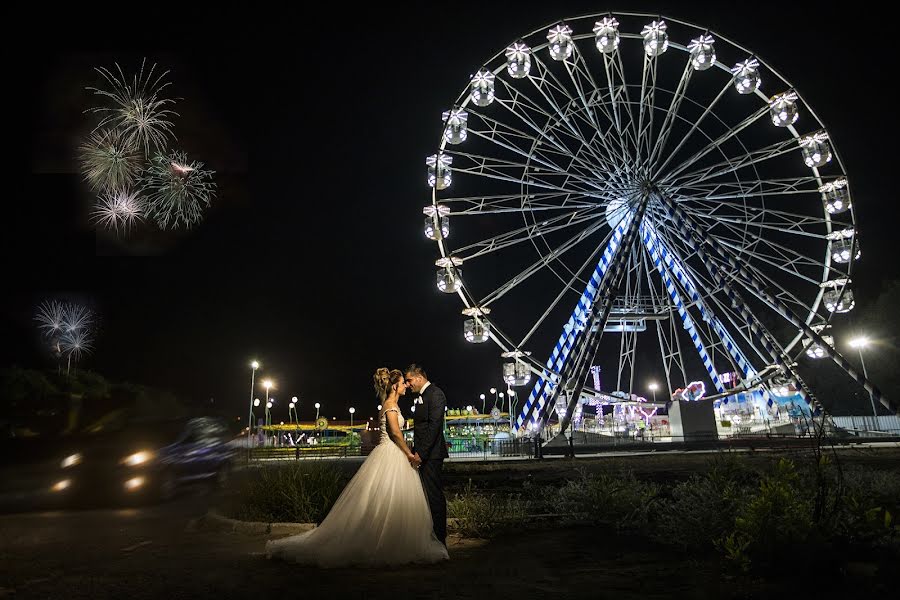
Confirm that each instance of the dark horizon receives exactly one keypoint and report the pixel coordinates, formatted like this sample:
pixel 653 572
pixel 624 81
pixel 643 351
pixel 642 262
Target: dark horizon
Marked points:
pixel 311 259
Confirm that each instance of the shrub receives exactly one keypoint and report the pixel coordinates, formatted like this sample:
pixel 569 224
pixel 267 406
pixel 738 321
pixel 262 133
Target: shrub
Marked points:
pixel 302 492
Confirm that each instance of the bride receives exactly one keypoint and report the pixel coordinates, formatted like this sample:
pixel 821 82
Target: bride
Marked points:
pixel 382 516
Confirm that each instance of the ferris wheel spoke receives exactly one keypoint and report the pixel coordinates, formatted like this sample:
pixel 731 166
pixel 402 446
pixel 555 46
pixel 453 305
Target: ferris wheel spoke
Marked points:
pixel 781 263
pixel 746 188
pixel 674 174
pixel 646 100
pixel 506 137
pixel 542 83
pixel 523 234
pixel 657 170
pixel 737 163
pixel 618 89
pixel 535 267
pixel 509 203
pixel 521 100
pixel 501 140
pixel 756 221
pixel 569 286
pixel 711 209
pixel 605 140
pixel 784 259
pixel 505 170
pixel 668 123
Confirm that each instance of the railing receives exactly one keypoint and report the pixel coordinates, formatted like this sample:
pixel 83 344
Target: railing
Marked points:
pixel 488 449
pixel 302 452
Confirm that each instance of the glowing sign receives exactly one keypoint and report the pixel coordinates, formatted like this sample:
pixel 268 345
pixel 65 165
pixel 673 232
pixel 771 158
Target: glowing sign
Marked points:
pixel 694 391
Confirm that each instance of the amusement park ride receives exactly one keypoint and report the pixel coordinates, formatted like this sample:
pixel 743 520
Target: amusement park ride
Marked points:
pixel 669 185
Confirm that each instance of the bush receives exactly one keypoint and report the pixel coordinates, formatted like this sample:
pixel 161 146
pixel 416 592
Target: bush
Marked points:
pixel 774 525
pixel 622 501
pixel 303 492
pixel 484 515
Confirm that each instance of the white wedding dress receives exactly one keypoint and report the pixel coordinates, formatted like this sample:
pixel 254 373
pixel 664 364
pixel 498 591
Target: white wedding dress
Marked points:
pixel 381 518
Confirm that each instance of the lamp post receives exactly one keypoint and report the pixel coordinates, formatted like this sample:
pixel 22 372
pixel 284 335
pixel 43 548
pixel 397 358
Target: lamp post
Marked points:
pixel 253 367
pixel 267 383
pixel 859 343
pixel 502 396
pixel 352 410
pixel 317 410
pixel 494 392
pixel 513 402
pixel 482 402
pixel 653 387
pixel 293 408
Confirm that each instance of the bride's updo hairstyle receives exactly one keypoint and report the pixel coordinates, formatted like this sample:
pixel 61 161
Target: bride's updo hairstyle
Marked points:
pixel 383 380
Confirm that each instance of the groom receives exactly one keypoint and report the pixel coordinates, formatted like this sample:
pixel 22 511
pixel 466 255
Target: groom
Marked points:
pixel 429 445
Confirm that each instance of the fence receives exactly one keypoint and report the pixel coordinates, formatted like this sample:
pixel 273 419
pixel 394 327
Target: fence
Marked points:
pixel 485 449
pixel 870 426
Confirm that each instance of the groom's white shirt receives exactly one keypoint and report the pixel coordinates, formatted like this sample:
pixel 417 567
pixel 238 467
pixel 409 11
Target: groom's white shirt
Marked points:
pixel 419 399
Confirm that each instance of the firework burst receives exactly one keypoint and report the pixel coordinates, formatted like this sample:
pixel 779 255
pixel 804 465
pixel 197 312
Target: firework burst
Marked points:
pixel 137 108
pixel 108 160
pixel 77 318
pixel 69 329
pixel 118 208
pixel 76 344
pixel 51 317
pixel 177 190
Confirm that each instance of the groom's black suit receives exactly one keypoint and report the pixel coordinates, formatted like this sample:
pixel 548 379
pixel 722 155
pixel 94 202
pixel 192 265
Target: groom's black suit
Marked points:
pixel 429 444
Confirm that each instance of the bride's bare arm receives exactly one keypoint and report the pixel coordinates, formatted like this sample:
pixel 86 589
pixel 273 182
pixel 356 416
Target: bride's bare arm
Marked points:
pixel 393 428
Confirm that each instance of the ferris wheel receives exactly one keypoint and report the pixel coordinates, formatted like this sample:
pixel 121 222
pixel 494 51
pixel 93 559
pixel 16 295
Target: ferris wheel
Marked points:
pixel 640 179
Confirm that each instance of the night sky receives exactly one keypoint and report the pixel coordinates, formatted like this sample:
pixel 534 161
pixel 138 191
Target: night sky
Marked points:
pixel 312 258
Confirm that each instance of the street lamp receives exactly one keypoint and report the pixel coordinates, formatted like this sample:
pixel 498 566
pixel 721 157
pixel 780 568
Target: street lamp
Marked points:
pixel 494 392
pixel 267 383
pixel 482 402
pixel 653 387
pixel 253 367
pixel 352 410
pixel 502 396
pixel 292 407
pixel 860 342
pixel 268 412
pixel 317 410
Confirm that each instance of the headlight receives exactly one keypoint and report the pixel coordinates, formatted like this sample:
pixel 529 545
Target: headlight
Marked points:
pixel 71 461
pixel 138 458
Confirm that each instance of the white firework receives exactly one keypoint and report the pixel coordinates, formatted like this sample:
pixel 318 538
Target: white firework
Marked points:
pixel 117 209
pixel 69 328
pixel 51 316
pixel 77 319
pixel 76 344
pixel 136 107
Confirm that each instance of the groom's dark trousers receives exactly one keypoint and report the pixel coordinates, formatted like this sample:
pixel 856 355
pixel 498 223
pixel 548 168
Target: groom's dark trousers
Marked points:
pixel 429 443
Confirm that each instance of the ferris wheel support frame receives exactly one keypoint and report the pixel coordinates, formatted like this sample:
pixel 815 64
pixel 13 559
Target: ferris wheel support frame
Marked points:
pixel 669 262
pixel 693 232
pixel 650 242
pixel 573 378
pixel 538 397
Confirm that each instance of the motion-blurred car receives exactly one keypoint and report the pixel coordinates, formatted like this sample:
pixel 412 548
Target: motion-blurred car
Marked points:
pixel 146 462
